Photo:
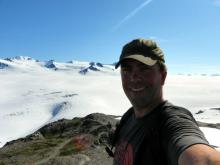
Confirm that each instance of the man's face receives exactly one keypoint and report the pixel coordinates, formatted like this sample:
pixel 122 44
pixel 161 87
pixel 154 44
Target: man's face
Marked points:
pixel 142 84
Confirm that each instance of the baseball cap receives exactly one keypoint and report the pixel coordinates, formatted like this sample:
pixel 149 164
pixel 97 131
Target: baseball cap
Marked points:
pixel 142 50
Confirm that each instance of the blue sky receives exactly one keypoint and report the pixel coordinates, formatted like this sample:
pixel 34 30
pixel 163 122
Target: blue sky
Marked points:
pixel 188 31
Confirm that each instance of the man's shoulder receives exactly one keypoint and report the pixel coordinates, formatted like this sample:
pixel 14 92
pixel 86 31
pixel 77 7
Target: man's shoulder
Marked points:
pixel 171 109
pixel 127 114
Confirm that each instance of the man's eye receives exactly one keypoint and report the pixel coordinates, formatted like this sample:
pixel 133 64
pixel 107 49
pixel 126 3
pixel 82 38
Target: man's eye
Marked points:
pixel 125 71
pixel 144 68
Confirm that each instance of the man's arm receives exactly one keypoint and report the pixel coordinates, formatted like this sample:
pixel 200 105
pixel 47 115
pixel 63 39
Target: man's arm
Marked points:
pixel 199 154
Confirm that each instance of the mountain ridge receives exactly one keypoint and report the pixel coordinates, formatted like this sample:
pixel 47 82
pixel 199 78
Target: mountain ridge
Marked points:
pixel 84 67
pixel 76 141
pixel 63 142
pixel 81 67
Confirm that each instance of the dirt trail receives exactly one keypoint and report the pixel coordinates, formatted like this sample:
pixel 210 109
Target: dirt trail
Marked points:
pixel 54 153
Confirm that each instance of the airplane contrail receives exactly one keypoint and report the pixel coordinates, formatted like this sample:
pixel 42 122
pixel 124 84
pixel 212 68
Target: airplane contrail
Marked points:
pixel 132 13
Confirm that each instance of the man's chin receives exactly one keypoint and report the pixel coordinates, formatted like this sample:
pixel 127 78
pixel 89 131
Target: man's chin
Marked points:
pixel 137 95
pixel 139 102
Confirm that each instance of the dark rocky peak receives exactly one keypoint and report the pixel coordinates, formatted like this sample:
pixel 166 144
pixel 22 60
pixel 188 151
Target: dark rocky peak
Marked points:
pixel 3 65
pixel 92 63
pixel 102 118
pixel 8 59
pixel 50 64
pixel 23 58
pixel 20 58
pixel 83 71
pixel 99 64
pixel 92 67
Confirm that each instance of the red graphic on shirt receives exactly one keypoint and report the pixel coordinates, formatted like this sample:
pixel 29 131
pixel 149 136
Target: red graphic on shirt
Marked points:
pixel 124 154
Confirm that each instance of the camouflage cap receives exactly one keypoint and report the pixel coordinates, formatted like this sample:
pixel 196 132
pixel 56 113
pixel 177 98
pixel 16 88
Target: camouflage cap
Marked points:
pixel 145 51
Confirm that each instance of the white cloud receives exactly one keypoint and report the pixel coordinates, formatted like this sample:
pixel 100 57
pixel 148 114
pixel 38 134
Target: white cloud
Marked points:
pixel 133 13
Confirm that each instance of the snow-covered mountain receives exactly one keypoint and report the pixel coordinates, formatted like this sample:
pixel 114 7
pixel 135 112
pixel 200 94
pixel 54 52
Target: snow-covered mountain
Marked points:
pixel 23 63
pixel 34 93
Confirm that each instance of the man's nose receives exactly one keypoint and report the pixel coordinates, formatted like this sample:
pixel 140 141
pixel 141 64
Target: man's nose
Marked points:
pixel 135 76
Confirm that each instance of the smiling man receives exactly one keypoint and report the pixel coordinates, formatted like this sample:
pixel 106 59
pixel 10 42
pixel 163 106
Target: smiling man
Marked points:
pixel 154 131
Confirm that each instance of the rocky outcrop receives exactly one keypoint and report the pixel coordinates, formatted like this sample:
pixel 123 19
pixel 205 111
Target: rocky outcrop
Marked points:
pixel 92 67
pixel 76 141
pixel 210 125
pixel 80 141
pixel 50 64
pixel 3 65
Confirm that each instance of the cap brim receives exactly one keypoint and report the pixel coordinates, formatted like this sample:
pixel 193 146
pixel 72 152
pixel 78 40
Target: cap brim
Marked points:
pixel 146 60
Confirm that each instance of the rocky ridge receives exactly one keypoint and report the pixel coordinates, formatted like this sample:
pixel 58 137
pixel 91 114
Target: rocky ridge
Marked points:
pixel 80 141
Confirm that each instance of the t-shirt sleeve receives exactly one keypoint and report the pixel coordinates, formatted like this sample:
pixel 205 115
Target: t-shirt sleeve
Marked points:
pixel 180 131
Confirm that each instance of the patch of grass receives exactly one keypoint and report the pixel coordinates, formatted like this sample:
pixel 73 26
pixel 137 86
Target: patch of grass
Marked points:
pixel 3 163
pixel 29 152
pixel 33 148
pixel 43 146
pixel 69 149
pixel 76 122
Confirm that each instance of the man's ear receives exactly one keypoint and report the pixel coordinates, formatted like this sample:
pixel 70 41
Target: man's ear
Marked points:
pixel 163 77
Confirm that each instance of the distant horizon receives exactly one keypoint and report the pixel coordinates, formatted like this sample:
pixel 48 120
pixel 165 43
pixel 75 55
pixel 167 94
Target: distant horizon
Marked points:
pixel 173 68
pixel 170 71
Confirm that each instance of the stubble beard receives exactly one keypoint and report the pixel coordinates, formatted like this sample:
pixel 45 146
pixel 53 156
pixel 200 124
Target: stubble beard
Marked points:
pixel 149 98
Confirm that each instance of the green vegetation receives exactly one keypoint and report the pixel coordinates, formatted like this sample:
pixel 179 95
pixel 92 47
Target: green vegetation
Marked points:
pixel 33 150
pixel 69 149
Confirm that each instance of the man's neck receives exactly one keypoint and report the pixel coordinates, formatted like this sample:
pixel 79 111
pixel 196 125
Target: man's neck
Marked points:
pixel 142 111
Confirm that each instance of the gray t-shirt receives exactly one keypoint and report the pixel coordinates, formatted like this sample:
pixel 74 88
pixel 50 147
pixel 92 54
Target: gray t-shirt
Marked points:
pixel 157 138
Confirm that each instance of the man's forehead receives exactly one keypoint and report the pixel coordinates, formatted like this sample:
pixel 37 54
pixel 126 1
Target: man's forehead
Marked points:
pixel 130 62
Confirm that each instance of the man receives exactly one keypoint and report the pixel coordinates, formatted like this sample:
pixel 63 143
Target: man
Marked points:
pixel 154 131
